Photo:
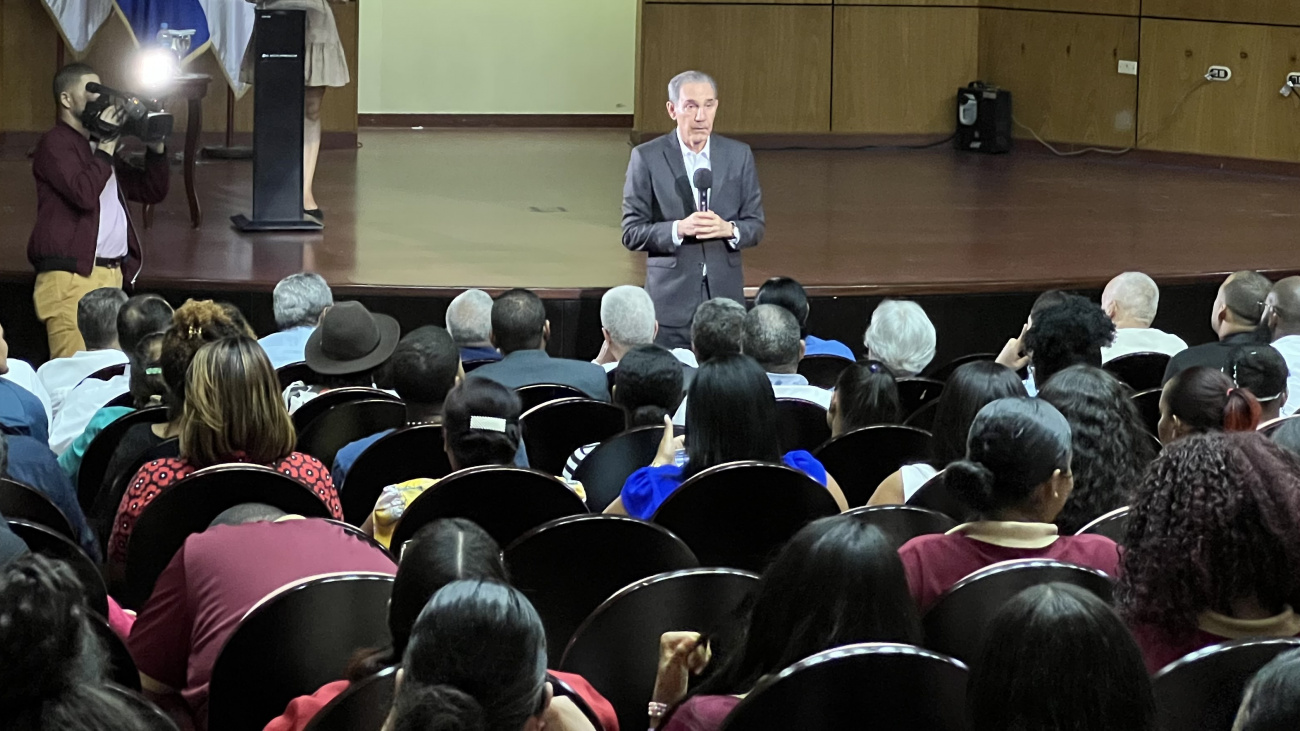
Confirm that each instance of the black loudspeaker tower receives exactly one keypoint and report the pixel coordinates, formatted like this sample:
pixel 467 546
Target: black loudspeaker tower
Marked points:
pixel 277 125
pixel 983 119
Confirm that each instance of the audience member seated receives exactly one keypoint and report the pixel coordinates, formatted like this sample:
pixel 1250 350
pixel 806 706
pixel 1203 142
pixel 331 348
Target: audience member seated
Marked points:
pixel 865 394
pixel 232 413
pixel 1016 475
pixel 480 426
pixel 1235 318
pixel 20 373
pixel 344 351
pixel 1282 317
pixel 1111 446
pixel 217 576
pixel 141 324
pixel 298 301
pixel 19 406
pixel 1261 370
pixel 1287 436
pixel 1066 334
pixel 54 671
pixel 28 460
pixel 1057 657
pixel 627 319
pixel 970 388
pixel 1131 300
pixel 772 339
pixel 901 336
pixel 647 386
pixel 717 328
pixel 422 370
pixel 520 330
pixel 1013 354
pixel 477 659
pixel 1202 399
pixel 469 320
pixel 1213 546
pixel 837 582
pixel 732 413
pixel 787 293
pixel 1272 699
pixel 97 322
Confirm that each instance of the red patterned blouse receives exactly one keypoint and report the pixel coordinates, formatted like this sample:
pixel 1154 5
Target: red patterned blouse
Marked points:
pixel 158 475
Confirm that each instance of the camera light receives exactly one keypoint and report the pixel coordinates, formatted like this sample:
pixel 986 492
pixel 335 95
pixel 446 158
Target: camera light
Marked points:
pixel 156 68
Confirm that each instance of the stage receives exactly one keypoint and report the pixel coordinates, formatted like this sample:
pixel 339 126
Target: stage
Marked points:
pixel 420 214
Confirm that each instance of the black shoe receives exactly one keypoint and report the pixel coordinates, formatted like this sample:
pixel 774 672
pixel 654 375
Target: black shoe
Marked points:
pixel 315 213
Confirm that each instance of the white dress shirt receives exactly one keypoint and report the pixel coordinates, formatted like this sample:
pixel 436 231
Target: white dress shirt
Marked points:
pixel 22 373
pixel 682 354
pixel 697 161
pixel 1289 347
pixel 80 404
pixel 61 375
pixel 1142 340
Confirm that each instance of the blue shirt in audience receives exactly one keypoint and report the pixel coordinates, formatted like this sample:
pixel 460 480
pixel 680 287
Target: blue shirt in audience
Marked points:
pixel 32 463
pixel 486 352
pixel 647 488
pixel 287 346
pixel 20 410
pixel 813 345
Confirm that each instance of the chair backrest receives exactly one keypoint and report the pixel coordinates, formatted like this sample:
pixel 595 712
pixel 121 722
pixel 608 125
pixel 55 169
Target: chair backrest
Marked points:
pixel 567 567
pixel 122 399
pixel 333 397
pixel 107 372
pixel 861 459
pixel 1113 525
pixel 537 394
pixel 189 507
pixel 554 429
pixel 408 453
pixel 603 472
pixel 923 417
pixel 507 502
pixel 121 666
pixel 944 372
pixel 1148 405
pixel 363 706
pixel 154 718
pixel 52 544
pixel 90 476
pixel 617 648
pixel 341 425
pixel 470 365
pixel 823 371
pixel 956 624
pixel 1202 691
pixel 109 498
pixel 24 502
pixel 902 523
pixel 293 642
pixel 291 372
pixel 865 686
pixel 1272 426
pixel 913 393
pixel 1141 371
pixel 801 424
pixel 741 513
pixel 934 495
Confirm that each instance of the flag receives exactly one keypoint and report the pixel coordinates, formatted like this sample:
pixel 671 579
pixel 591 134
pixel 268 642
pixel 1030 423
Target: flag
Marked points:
pixel 230 26
pixel 146 17
pixel 78 20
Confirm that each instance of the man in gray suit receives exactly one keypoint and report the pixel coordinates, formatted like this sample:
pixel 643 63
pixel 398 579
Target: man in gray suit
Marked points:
pixel 694 252
pixel 520 330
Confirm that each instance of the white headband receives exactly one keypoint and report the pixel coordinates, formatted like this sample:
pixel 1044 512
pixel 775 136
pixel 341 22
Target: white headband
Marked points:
pixel 487 423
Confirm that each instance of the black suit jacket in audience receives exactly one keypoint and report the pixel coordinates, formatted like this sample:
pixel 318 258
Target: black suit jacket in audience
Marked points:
pixel 1213 354
pixel 528 367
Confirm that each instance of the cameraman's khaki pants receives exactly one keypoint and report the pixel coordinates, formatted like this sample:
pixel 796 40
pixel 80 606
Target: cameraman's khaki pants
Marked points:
pixel 56 297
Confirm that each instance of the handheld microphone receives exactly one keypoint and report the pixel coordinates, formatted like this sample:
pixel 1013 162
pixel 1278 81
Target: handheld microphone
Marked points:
pixel 703 182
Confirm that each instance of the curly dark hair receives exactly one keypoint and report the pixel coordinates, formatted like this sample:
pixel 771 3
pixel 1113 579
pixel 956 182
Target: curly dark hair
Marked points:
pixel 1067 334
pixel 1111 446
pixel 1217 519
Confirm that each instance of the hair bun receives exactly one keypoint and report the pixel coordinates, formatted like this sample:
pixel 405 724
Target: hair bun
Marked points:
pixel 971 482
pixel 440 707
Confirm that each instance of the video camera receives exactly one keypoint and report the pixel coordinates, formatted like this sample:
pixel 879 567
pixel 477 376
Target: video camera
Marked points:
pixel 142 118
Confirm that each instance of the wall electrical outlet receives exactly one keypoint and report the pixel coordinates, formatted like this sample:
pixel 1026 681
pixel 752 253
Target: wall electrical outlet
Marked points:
pixel 1129 68
pixel 1219 73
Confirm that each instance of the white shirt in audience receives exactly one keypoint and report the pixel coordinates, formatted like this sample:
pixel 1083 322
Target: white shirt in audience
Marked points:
pixel 1289 347
pixel 914 477
pixel 22 373
pixel 1142 340
pixel 60 375
pixel 784 385
pixel 682 354
pixel 80 404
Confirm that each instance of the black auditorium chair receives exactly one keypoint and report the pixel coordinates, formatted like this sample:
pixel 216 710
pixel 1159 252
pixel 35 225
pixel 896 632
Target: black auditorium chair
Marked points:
pixel 364 706
pixel 913 393
pixel 1113 525
pixel 121 666
pixel 122 399
pixel 293 642
pixel 539 393
pixel 616 649
pixel 507 502
pixel 104 509
pixel 615 551
pixel 902 523
pixel 823 371
pixel 875 685
pixel 1203 690
pixel 957 622
pixel 24 502
pixel 603 471
pixel 408 453
pixel 740 514
pixel 328 400
pixel 153 717
pixel 292 372
pixel 801 424
pixel 943 372
pixel 934 495
pixel 1148 405
pixel 1272 426
pixel 552 430
pixel 52 544
pixel 861 459
pixel 923 417
pixel 107 372
pixel 90 476
pixel 347 422
pixel 471 365
pixel 189 507
pixel 1141 371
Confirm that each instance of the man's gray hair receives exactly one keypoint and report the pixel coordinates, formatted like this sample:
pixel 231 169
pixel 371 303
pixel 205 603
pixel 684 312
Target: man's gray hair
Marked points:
pixel 689 77
pixel 300 299
pixel 772 337
pixel 1136 294
pixel 901 336
pixel 628 314
pixel 717 328
pixel 469 317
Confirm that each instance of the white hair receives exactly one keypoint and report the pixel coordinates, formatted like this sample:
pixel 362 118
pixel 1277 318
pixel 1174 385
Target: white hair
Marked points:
pixel 628 313
pixel 901 336
pixel 299 300
pixel 689 77
pixel 1136 294
pixel 469 317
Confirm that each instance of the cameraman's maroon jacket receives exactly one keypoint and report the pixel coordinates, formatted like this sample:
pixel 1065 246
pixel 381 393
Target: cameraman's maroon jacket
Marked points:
pixel 69 179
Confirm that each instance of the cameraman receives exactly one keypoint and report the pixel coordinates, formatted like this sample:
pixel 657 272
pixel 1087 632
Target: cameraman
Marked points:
pixel 83 238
